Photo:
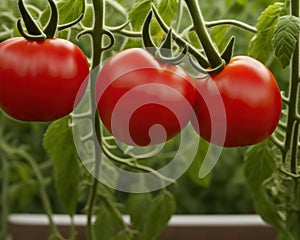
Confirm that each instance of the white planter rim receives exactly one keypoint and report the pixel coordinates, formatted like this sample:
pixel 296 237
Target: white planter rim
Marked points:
pixel 176 220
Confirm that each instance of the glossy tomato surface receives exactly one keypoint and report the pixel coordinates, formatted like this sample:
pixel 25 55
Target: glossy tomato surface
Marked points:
pixel 39 80
pixel 142 101
pixel 251 98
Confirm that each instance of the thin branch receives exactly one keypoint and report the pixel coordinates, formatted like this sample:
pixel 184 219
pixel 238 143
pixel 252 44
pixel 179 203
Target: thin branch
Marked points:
pixel 232 22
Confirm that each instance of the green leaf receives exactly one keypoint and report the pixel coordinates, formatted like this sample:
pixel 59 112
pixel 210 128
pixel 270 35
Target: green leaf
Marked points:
pixel 261 44
pixel 194 40
pixel 105 226
pixel 167 10
pixel 58 141
pixel 220 37
pixel 87 20
pixel 138 13
pixel 260 164
pixel 268 211
pixel 124 235
pixel 264 179
pixel 160 211
pixel 137 209
pixel 285 38
pixel 68 10
pixel 193 171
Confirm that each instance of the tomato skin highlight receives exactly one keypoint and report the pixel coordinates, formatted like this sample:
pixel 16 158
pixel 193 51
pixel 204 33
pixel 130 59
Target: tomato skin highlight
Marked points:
pixel 251 98
pixel 139 96
pixel 39 80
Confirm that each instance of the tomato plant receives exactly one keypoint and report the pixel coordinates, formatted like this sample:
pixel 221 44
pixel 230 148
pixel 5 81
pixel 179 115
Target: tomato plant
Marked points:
pixel 251 99
pixel 40 79
pixel 154 93
pixel 144 95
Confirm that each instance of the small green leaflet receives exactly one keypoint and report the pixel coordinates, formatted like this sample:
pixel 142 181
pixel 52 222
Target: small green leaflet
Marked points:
pixel 167 9
pixel 159 212
pixel 106 225
pixel 260 164
pixel 136 202
pixel 285 38
pixel 220 37
pixel 149 214
pixel 193 171
pixel 139 12
pixel 261 44
pixel 68 10
pixel 58 142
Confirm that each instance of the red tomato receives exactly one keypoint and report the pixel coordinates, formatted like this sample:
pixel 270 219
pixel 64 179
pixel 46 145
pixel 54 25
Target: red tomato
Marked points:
pixel 251 98
pixel 141 100
pixel 39 80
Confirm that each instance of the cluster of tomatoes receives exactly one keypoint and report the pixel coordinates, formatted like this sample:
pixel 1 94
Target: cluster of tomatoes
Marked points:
pixel 140 100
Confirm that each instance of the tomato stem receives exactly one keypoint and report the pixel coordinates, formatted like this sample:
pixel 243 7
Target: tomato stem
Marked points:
pixel 232 22
pixel 179 15
pixel 4 196
pixel 97 34
pixel 180 41
pixel 199 25
pixel 292 138
pixel 43 193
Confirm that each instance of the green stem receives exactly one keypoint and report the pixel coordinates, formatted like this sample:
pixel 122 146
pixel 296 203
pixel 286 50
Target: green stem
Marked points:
pixel 212 53
pixel 179 15
pixel 292 138
pixel 294 148
pixel 73 232
pixel 232 22
pixel 97 33
pixel 91 203
pixel 43 194
pixel 4 197
pixel 181 42
pixel 295 71
pixel 125 33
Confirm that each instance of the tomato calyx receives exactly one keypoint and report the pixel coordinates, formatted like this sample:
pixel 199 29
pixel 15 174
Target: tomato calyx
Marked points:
pixel 164 53
pixel 33 30
pixel 200 69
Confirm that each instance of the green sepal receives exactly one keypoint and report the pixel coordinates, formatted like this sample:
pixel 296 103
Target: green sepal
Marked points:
pixel 41 36
pixel 228 50
pixel 147 41
pixel 172 60
pixel 51 26
pixel 166 48
pixel 200 69
pixel 31 26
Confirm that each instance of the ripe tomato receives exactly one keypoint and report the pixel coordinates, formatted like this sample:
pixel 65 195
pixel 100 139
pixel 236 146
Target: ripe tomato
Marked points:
pixel 141 100
pixel 251 98
pixel 39 80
